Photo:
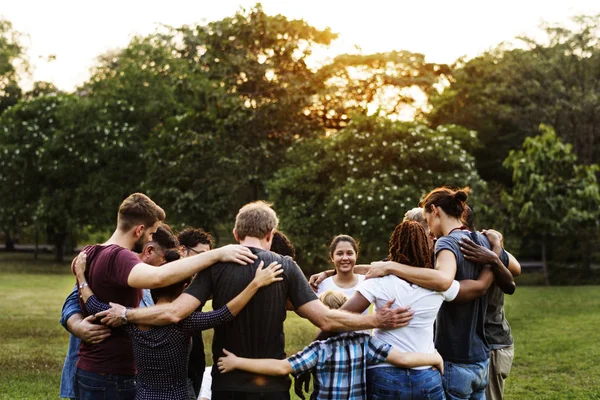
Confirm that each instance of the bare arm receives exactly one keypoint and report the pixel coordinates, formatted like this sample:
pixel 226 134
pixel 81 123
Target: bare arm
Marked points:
pixel 144 276
pixel 513 265
pixel 337 320
pixel 316 279
pixel 265 366
pixel 356 304
pixel 162 314
pixel 185 304
pixel 439 279
pixel 471 289
pixel 412 360
pixel 482 255
pixel 86 330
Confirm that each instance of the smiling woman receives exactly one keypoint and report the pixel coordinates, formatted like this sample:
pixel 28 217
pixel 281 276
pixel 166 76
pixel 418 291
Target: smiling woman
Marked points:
pixel 343 252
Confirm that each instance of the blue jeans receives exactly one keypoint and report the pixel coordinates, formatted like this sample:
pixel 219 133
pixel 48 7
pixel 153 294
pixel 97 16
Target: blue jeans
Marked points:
pixel 465 381
pixel 402 383
pixel 93 386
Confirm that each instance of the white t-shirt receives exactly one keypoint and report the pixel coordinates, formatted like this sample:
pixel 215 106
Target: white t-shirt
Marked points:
pixel 425 303
pixel 329 284
pixel 205 390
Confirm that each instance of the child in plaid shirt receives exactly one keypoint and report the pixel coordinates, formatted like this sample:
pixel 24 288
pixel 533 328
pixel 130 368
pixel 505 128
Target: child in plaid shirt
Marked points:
pixel 339 364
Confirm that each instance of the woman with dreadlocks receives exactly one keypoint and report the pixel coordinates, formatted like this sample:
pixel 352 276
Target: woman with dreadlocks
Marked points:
pixel 408 245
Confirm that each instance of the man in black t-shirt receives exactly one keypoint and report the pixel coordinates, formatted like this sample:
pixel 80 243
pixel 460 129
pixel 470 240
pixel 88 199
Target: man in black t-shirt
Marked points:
pixel 257 332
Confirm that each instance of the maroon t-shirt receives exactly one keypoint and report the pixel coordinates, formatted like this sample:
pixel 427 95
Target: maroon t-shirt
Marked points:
pixel 108 268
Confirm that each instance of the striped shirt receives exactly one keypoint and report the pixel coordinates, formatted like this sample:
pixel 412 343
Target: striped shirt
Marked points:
pixel 339 364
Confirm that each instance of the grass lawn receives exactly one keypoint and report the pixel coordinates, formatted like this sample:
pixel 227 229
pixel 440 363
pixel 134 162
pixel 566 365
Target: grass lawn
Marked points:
pixel 555 329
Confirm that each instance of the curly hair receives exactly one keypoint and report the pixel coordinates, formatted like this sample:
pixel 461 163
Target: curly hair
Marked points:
pixel 409 245
pixel 192 237
pixel 282 245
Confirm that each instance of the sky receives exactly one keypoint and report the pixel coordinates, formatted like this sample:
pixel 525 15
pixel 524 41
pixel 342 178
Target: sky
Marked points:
pixel 78 31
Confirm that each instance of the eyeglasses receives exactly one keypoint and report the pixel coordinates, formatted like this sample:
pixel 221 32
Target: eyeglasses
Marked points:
pixel 192 250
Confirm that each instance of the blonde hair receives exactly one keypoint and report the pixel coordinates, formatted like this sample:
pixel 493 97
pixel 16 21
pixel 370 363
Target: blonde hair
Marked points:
pixel 333 299
pixel 138 209
pixel 255 219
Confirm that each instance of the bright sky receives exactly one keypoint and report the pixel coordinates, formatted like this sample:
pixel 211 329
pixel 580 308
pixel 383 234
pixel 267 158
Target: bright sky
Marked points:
pixel 78 31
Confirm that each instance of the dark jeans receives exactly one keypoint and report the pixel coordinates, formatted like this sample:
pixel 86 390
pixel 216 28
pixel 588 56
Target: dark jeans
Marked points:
pixel 466 381
pixel 250 396
pixel 92 386
pixel 401 383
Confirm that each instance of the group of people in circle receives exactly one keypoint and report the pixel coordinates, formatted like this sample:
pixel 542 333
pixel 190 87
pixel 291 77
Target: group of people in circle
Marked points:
pixel 438 324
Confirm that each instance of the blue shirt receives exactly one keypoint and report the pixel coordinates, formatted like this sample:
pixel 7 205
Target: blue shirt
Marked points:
pixel 459 333
pixel 70 307
pixel 339 364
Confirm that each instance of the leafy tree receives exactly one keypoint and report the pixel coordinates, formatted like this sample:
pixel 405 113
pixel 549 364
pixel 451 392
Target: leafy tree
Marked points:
pixel 552 195
pixel 362 180
pixel 12 62
pixel 388 82
pixel 506 93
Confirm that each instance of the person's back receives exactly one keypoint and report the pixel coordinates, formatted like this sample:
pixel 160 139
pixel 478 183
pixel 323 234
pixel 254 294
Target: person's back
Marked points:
pixel 257 332
pixel 460 334
pixel 109 267
pixel 425 303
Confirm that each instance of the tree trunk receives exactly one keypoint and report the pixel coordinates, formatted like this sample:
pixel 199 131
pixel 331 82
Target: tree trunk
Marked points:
pixel 545 263
pixel 9 242
pixel 59 244
pixel 37 244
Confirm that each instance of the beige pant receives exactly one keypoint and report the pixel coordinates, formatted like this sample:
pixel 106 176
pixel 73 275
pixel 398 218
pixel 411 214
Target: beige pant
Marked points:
pixel 500 364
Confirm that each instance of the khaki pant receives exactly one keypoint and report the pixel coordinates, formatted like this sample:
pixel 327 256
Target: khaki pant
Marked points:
pixel 500 364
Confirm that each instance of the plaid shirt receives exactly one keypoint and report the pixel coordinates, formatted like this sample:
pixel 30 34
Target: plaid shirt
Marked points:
pixel 340 364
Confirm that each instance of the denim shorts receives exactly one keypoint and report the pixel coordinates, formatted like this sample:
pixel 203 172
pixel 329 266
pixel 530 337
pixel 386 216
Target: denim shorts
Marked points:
pixel 465 381
pixel 402 383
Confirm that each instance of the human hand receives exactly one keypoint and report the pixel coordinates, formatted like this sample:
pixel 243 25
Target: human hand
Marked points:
pixel 80 264
pixel 112 316
pixel 228 363
pixel 268 275
pixel 302 380
pixel 476 253
pixel 388 318
pixel 495 238
pixel 378 269
pixel 90 332
pixel 236 253
pixel 439 364
pixel 316 279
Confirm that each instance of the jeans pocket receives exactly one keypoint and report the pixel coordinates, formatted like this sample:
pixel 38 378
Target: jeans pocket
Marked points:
pixel 435 393
pixel 127 390
pixel 89 392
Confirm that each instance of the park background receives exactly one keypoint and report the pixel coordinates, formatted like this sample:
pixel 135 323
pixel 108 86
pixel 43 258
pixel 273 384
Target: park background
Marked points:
pixel 206 117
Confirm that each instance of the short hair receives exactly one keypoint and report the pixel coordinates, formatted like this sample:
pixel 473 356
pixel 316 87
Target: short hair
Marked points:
pixel 342 238
pixel 333 299
pixel 256 220
pixel 164 237
pixel 192 237
pixel 453 202
pixel 282 245
pixel 138 209
pixel 415 214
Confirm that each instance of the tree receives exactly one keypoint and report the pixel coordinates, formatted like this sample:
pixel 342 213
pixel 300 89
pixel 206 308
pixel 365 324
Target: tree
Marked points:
pixel 362 180
pixel 552 196
pixel 386 84
pixel 506 93
pixel 12 63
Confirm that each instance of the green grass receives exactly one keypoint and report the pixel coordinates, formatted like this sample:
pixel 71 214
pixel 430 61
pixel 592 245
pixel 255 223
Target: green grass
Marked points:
pixel 555 329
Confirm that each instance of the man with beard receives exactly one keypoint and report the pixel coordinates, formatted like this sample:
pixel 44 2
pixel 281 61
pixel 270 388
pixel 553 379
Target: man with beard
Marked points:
pixel 116 274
